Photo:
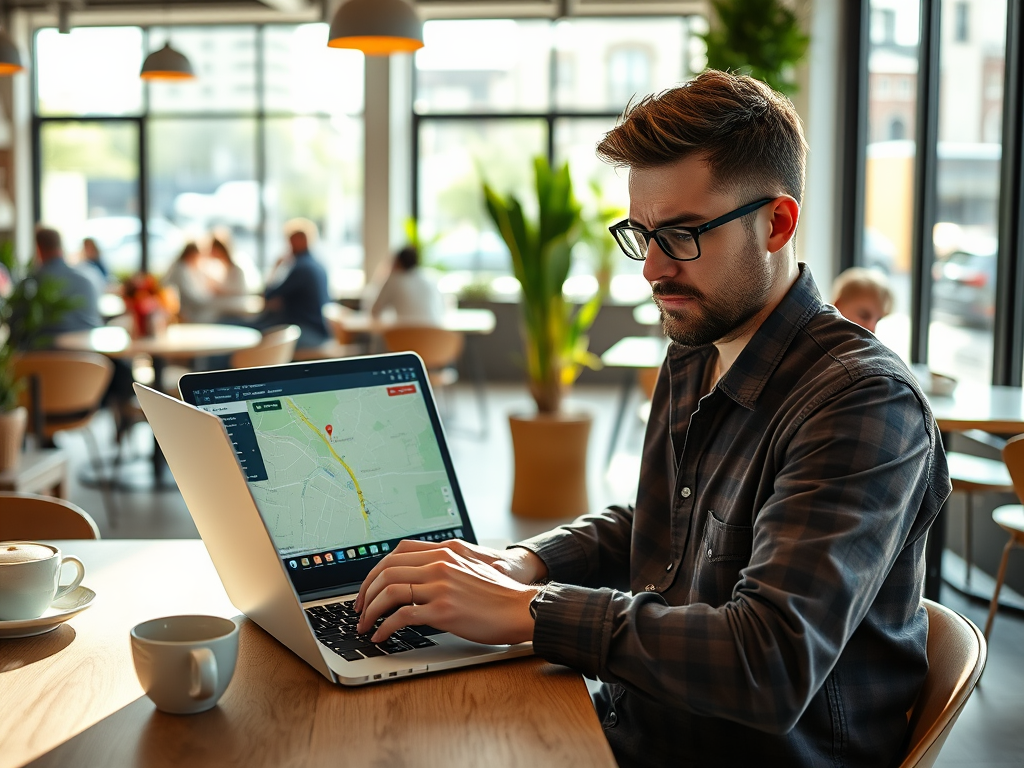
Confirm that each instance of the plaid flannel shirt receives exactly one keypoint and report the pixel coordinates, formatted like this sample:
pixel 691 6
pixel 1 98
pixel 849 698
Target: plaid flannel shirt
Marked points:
pixel 761 603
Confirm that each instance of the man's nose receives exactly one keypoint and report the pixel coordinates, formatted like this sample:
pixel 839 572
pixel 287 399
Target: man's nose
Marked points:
pixel 658 266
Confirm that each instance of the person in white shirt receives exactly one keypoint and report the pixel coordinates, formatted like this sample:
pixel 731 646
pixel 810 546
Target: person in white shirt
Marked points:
pixel 412 295
pixel 194 289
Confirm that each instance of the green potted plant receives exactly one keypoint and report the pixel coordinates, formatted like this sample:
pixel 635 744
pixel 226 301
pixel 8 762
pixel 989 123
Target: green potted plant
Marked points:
pixel 760 38
pixel 27 306
pixel 549 446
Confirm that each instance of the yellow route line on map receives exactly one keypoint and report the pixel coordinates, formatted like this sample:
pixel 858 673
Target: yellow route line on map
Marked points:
pixel 359 491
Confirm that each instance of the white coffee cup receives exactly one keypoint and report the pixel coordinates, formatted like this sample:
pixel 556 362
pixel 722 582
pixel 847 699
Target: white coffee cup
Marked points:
pixel 184 663
pixel 30 578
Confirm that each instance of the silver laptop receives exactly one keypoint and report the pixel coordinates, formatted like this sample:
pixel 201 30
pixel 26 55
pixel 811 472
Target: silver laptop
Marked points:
pixel 300 478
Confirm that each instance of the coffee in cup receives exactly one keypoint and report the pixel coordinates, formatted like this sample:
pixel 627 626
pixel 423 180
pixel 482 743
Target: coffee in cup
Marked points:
pixel 30 578
pixel 184 663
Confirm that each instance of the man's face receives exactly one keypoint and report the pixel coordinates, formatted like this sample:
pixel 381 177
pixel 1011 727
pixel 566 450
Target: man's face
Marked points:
pixel 298 242
pixel 712 298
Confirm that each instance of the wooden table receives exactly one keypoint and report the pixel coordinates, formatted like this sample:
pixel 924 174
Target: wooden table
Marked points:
pixel 71 698
pixel 631 353
pixel 971 406
pixel 181 341
pixel 40 470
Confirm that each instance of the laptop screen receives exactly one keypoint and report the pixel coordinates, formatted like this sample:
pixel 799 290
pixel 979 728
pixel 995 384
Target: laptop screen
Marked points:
pixel 344 458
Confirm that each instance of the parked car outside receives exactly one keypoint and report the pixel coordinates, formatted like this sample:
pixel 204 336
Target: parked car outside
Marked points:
pixel 964 287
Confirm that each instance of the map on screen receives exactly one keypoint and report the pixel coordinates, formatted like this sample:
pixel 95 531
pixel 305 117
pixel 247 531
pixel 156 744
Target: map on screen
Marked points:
pixel 348 466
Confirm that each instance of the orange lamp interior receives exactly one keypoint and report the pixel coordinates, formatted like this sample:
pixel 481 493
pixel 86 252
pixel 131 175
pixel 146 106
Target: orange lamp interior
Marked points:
pixel 166 75
pixel 377 46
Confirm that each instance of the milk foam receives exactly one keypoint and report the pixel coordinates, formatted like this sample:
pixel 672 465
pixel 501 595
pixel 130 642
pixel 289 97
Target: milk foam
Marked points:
pixel 11 553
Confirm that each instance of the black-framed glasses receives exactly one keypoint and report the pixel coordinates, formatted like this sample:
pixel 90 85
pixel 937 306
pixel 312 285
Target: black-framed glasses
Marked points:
pixel 678 243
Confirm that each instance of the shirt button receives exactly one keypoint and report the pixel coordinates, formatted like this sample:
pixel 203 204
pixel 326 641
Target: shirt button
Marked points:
pixel 611 721
pixel 650 588
pixel 709 553
pixel 668 567
pixel 685 493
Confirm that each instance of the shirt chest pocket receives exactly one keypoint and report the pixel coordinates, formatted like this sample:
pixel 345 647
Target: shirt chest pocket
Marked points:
pixel 725 550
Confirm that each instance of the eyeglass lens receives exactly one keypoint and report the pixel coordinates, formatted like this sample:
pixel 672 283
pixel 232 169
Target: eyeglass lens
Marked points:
pixel 677 244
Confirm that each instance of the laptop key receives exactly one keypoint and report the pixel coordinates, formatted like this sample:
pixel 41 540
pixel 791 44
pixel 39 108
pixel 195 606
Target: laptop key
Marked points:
pixel 426 631
pixel 372 650
pixel 349 655
pixel 420 642
pixel 391 645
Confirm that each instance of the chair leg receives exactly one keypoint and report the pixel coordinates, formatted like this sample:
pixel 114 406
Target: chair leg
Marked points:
pixel 968 538
pixel 994 605
pixel 106 482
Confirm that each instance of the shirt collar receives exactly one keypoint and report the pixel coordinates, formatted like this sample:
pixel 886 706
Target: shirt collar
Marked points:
pixel 745 380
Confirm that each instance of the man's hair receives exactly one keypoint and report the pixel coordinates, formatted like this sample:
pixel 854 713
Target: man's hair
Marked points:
pixel 48 241
pixel 857 281
pixel 749 135
pixel 408 258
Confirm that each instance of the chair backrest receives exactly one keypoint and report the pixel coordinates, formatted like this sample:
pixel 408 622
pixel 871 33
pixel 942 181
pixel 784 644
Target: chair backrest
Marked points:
pixel 276 348
pixel 1013 457
pixel 438 347
pixel 26 517
pixel 69 382
pixel 956 659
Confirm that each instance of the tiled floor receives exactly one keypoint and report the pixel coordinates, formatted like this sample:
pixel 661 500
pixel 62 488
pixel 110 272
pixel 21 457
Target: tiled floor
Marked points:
pixel 989 734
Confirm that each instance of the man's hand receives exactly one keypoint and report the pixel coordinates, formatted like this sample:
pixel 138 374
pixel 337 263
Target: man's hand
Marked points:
pixel 474 592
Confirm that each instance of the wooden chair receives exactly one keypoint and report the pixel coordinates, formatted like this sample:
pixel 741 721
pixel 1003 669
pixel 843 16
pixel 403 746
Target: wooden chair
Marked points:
pixel 27 517
pixel 956 658
pixel 1010 518
pixel 276 348
pixel 63 391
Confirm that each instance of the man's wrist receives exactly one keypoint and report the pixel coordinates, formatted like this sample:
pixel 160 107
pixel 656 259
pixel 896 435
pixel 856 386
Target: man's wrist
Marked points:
pixel 530 568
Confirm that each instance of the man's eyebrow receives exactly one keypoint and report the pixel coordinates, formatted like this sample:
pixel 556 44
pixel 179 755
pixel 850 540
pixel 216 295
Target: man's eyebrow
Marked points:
pixel 683 219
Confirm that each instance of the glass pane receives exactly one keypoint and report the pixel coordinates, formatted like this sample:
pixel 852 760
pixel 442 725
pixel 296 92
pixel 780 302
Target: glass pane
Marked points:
pixel 202 177
pixel 301 74
pixel 889 174
pixel 92 71
pixel 453 155
pixel 970 119
pixel 224 60
pixel 604 194
pixel 315 171
pixel 493 65
pixel 89 188
pixel 600 64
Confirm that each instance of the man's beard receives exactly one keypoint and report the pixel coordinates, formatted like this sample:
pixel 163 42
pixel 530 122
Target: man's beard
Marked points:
pixel 712 318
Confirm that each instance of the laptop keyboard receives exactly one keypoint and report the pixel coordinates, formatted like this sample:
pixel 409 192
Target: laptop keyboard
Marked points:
pixel 335 626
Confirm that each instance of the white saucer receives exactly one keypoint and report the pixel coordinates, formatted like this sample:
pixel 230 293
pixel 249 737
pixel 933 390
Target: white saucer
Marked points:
pixel 60 611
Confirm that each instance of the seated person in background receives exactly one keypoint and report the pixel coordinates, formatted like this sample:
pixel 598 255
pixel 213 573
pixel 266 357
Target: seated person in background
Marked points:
pixel 93 259
pixel 862 296
pixel 409 292
pixel 233 281
pixel 300 295
pixel 195 292
pixel 76 285
pixel 760 603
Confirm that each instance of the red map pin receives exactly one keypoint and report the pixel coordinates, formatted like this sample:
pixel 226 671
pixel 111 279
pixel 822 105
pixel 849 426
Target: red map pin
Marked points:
pixel 329 430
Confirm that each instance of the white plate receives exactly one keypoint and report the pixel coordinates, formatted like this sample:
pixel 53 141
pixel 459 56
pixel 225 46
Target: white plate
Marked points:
pixel 60 611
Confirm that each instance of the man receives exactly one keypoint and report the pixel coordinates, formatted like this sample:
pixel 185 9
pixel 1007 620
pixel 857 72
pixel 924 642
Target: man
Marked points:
pixel 761 603
pixel 84 314
pixel 299 298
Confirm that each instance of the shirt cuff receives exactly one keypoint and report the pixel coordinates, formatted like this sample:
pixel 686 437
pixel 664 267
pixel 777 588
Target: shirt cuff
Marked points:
pixel 560 551
pixel 571 626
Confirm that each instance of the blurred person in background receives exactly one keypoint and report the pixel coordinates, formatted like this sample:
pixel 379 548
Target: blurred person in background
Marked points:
pixel 297 291
pixel 76 284
pixel 862 296
pixel 92 258
pixel 195 289
pixel 412 295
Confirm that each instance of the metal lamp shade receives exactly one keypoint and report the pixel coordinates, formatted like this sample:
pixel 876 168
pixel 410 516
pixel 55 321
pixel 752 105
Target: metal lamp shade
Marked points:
pixel 376 27
pixel 167 64
pixel 10 59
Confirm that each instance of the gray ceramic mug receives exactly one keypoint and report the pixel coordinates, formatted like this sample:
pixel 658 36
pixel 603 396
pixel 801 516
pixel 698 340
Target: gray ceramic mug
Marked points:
pixel 30 578
pixel 184 663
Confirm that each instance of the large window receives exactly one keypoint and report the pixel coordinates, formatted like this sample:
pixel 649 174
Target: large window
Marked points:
pixel 948 189
pixel 271 129
pixel 491 95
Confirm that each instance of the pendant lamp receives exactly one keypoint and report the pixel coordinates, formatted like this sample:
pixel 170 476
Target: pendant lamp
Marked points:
pixel 376 27
pixel 10 59
pixel 167 64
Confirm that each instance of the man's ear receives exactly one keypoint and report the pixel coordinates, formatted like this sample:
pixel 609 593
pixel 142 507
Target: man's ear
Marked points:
pixel 783 214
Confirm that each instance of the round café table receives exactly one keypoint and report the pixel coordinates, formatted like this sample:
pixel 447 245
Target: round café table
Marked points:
pixel 180 341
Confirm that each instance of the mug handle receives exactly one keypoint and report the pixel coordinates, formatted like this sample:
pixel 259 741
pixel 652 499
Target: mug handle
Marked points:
pixel 80 566
pixel 204 673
